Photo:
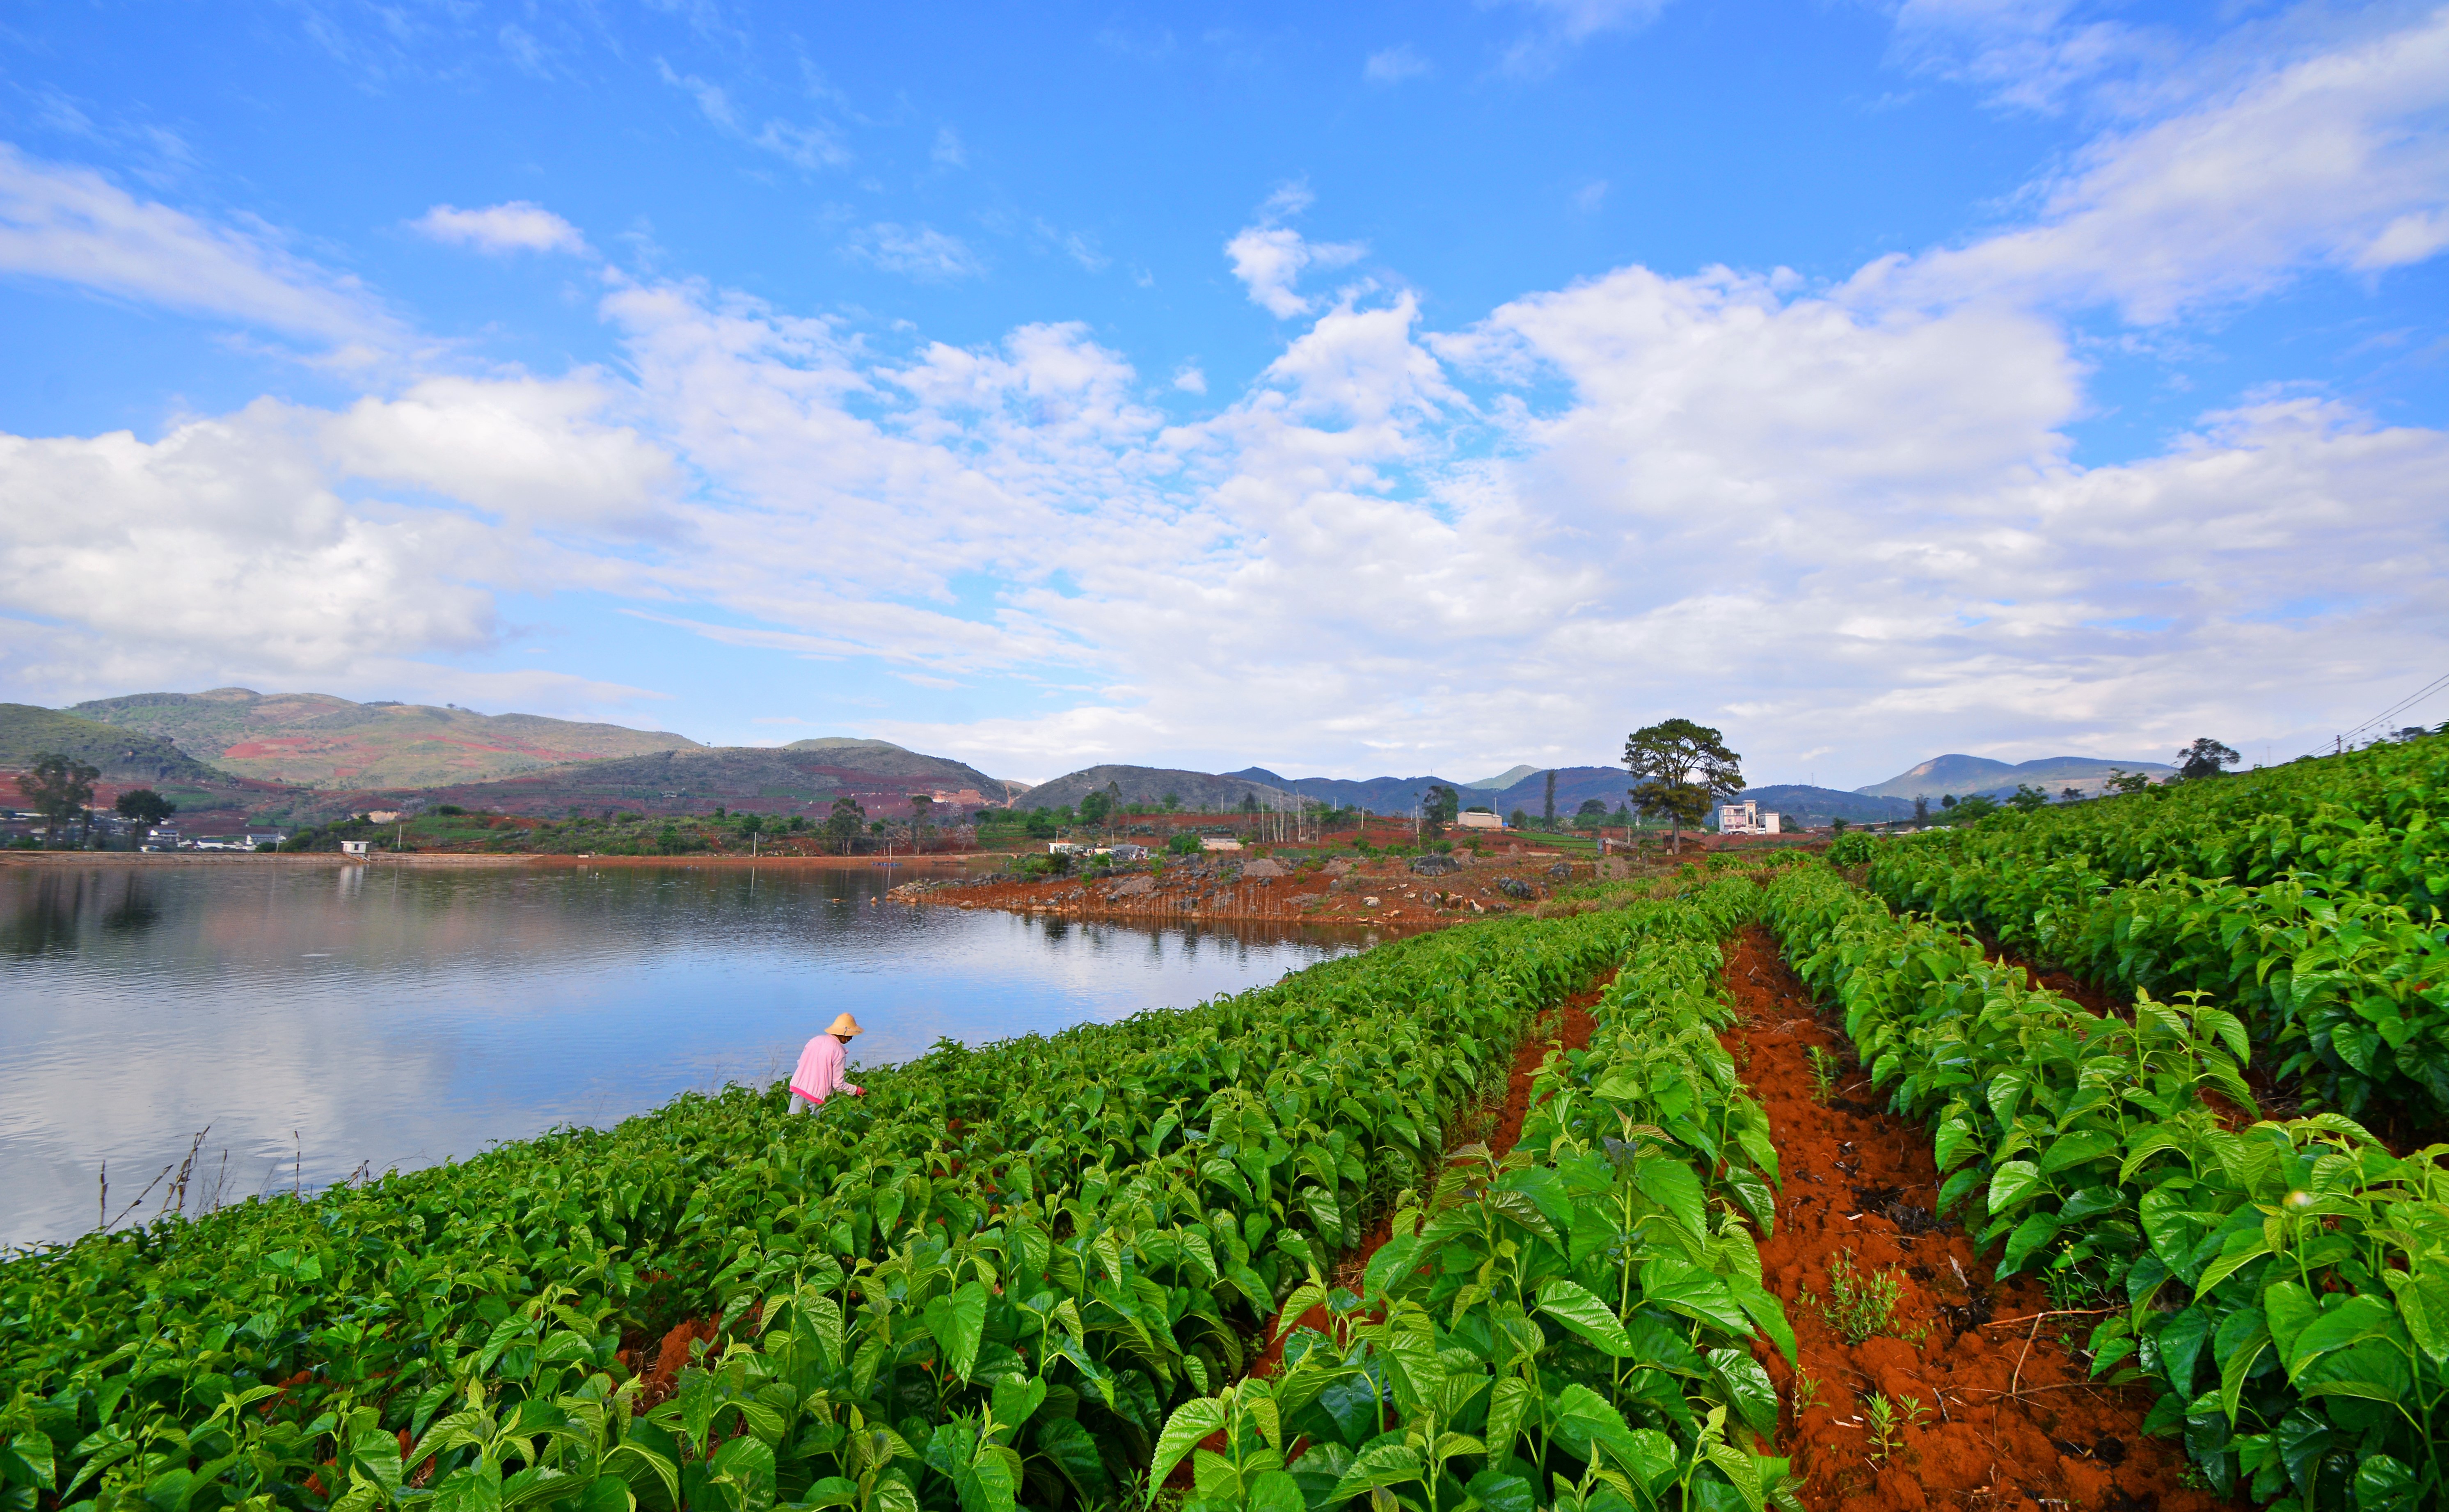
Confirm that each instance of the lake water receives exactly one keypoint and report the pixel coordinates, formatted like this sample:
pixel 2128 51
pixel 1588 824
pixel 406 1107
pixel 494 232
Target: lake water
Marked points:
pixel 321 1018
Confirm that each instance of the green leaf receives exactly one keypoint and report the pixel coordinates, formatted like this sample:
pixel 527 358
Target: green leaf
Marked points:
pixel 1737 1466
pixel 1956 1142
pixel 1673 1185
pixel 1191 1422
pixel 2077 1148
pixel 1576 1308
pixel 958 1322
pixel 2356 1319
pixel 2036 1231
pixel 1016 1399
pixel 2385 1484
pixel 832 1491
pixel 1682 1287
pixel 1386 1465
pixel 2011 1183
pixel 1073 1451
pixel 1508 1407
pixel 1499 1492
pixel 1747 1387
pixel 2424 1304
pixel 1391 1266
pixel 1275 1491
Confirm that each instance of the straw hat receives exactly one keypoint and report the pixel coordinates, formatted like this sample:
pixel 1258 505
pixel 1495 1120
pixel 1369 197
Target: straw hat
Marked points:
pixel 846 1026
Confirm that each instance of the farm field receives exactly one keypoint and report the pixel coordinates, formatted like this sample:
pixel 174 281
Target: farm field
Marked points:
pixel 1899 1228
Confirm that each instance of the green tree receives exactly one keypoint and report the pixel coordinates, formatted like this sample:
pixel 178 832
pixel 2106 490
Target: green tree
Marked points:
pixel 1438 807
pixel 1548 815
pixel 2128 781
pixel 1591 814
pixel 59 787
pixel 2204 759
pixel 842 824
pixel 2028 798
pixel 1094 808
pixel 145 805
pixel 1520 820
pixel 1182 845
pixel 1172 802
pixel 1678 766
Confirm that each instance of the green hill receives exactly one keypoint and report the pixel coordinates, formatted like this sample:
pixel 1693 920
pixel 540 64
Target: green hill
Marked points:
pixel 124 756
pixel 317 740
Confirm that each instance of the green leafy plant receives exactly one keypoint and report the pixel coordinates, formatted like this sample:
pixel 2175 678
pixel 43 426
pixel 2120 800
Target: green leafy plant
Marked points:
pixel 1885 1421
pixel 1824 1071
pixel 2287 1281
pixel 1861 1306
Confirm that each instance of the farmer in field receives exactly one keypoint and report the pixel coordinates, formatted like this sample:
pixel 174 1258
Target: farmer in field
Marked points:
pixel 819 1075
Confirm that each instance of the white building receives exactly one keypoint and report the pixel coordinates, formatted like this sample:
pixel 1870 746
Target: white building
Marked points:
pixel 1746 818
pixel 356 848
pixel 1219 842
pixel 1478 819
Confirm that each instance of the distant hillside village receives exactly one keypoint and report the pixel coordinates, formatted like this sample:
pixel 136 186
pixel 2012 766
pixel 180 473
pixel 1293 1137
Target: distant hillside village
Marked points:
pixel 235 770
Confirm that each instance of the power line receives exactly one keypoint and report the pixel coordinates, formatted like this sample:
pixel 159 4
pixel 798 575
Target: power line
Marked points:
pixel 2391 713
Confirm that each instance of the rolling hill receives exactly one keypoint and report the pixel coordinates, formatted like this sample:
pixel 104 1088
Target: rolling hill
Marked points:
pixel 125 757
pixel 1200 792
pixel 803 778
pixel 1965 775
pixel 316 740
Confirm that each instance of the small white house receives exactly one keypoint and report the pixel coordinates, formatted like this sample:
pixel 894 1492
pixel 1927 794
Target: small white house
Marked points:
pixel 1478 819
pixel 356 848
pixel 1219 842
pixel 1746 818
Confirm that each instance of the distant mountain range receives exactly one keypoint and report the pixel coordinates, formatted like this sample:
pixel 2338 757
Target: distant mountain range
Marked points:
pixel 316 741
pixel 1966 775
pixel 304 754
pixel 803 778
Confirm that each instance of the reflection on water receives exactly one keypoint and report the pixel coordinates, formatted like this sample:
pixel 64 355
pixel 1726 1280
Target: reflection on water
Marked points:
pixel 321 1018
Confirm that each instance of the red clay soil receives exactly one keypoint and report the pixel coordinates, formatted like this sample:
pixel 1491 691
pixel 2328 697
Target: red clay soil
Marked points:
pixel 2009 1416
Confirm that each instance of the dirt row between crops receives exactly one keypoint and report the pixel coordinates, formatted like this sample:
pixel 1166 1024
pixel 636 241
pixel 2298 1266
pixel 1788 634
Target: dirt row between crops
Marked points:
pixel 2008 1416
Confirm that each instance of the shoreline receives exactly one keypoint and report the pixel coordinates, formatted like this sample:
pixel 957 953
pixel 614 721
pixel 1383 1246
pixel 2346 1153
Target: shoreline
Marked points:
pixel 469 858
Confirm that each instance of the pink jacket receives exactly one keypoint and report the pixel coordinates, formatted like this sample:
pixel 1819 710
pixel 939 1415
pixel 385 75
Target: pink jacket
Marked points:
pixel 820 1070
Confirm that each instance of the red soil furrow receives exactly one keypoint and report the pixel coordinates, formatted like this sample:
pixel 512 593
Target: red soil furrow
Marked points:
pixel 2007 1415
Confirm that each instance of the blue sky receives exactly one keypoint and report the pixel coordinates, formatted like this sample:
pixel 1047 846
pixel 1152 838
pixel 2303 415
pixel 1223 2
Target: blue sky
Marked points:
pixel 1352 390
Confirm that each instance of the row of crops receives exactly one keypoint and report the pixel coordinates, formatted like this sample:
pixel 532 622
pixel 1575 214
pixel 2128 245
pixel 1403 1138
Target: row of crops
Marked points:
pixel 1570 1325
pixel 2284 1282
pixel 2306 898
pixel 1002 1277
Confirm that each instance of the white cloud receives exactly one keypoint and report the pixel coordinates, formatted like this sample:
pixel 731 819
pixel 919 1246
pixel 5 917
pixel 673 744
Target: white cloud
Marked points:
pixel 811 146
pixel 1396 63
pixel 72 225
pixel 2026 54
pixel 1567 23
pixel 1783 510
pixel 2337 158
pixel 949 153
pixel 1269 260
pixel 518 225
pixel 918 252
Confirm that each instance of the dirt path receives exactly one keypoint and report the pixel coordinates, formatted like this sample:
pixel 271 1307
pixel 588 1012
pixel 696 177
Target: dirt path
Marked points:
pixel 2008 1418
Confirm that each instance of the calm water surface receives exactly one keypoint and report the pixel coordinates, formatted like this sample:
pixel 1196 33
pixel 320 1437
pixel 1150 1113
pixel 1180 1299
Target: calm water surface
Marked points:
pixel 318 1018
